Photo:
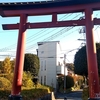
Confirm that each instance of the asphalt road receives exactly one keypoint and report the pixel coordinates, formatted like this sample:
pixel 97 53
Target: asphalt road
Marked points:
pixel 76 95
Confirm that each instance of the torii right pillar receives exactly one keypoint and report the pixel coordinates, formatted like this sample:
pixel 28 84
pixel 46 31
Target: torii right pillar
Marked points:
pixel 94 93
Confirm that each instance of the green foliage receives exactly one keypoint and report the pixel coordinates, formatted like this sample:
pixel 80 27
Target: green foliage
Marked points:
pixel 60 83
pixel 5 83
pixel 27 79
pixel 70 66
pixel 27 94
pixel 9 77
pixel 85 94
pixel 78 82
pixel 0 66
pixel 80 60
pixel 4 93
pixel 33 93
pixel 6 66
pixel 69 81
pixel 35 80
pixel 98 59
pixel 12 64
pixel 31 63
pixel 28 83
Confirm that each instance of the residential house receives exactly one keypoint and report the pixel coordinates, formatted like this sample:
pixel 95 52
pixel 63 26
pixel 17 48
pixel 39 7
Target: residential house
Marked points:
pixel 51 62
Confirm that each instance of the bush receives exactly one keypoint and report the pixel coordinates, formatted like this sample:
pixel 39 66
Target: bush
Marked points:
pixel 5 83
pixel 27 79
pixel 28 83
pixel 4 94
pixel 10 77
pixel 85 94
pixel 32 94
pixel 69 81
pixel 27 93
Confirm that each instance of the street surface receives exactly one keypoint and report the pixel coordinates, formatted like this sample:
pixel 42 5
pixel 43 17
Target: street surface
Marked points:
pixel 76 95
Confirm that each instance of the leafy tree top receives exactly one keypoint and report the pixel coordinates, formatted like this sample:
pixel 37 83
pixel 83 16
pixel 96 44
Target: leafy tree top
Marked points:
pixel 70 66
pixel 6 65
pixel 80 60
pixel 31 63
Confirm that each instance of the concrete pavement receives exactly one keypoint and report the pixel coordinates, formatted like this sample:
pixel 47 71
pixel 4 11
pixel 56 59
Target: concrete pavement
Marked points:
pixel 71 99
pixel 76 95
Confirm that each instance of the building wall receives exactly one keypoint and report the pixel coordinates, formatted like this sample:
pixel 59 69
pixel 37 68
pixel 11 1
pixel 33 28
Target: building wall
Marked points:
pixel 49 55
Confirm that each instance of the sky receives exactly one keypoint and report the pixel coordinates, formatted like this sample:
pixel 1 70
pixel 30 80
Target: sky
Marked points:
pixel 68 36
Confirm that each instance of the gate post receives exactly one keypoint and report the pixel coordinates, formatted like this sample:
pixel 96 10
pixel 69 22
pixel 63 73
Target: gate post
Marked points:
pixel 18 70
pixel 91 57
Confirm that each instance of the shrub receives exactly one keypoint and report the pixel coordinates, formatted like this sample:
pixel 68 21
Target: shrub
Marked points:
pixel 27 93
pixel 69 81
pixel 32 94
pixel 4 94
pixel 10 77
pixel 28 83
pixel 85 93
pixel 27 79
pixel 5 83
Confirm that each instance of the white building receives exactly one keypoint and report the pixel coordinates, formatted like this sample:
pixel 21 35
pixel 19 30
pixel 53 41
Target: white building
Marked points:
pixel 51 62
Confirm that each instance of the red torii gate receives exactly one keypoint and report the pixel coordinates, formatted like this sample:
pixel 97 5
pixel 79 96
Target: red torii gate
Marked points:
pixel 25 9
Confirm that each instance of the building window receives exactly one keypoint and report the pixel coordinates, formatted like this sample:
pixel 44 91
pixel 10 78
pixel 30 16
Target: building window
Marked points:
pixel 41 68
pixel 41 79
pixel 41 65
pixel 45 65
pixel 58 63
pixel 44 80
pixel 42 51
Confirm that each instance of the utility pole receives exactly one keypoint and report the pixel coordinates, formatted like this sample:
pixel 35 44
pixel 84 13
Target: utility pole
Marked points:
pixel 64 73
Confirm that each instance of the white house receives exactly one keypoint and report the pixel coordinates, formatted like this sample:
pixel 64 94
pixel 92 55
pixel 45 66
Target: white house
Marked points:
pixel 51 62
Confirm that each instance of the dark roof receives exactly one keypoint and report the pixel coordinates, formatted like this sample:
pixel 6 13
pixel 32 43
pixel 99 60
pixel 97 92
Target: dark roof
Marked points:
pixel 43 4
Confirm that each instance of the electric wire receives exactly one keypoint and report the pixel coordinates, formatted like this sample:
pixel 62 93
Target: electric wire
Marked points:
pixel 44 40
pixel 31 37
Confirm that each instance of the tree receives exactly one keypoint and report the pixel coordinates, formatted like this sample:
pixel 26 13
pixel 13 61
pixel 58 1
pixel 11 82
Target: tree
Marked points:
pixel 0 63
pixel 12 64
pixel 80 60
pixel 0 66
pixel 31 63
pixel 69 81
pixel 27 79
pixel 70 66
pixel 6 66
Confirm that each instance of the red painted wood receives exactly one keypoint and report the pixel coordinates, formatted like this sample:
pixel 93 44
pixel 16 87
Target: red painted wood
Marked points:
pixel 18 71
pixel 48 11
pixel 50 24
pixel 54 17
pixel 91 55
pixel 46 24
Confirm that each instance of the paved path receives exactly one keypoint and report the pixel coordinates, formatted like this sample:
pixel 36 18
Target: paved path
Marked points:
pixel 76 95
pixel 70 99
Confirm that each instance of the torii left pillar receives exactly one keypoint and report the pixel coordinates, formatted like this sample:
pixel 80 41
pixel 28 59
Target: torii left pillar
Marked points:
pixel 18 71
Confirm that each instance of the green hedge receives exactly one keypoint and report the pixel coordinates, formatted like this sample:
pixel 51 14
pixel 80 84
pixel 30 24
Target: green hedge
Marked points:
pixel 5 83
pixel 69 84
pixel 4 94
pixel 69 81
pixel 85 94
pixel 33 93
pixel 27 94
